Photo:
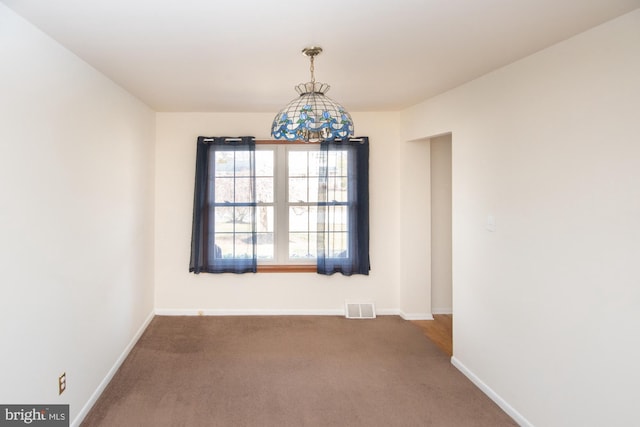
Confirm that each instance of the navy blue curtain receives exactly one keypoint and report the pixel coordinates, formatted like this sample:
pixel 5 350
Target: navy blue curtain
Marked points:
pixel 343 207
pixel 223 237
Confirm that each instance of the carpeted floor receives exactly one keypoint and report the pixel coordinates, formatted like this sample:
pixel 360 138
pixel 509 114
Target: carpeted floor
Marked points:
pixel 289 371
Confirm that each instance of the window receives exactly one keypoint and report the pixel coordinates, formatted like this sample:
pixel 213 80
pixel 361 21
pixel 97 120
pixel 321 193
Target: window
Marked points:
pixel 278 204
pixel 287 188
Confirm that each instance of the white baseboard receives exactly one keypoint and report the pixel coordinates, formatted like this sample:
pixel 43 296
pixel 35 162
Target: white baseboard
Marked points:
pixel 442 310
pixel 282 312
pixel 517 417
pixel 245 312
pixel 387 312
pixel 416 316
pixel 103 384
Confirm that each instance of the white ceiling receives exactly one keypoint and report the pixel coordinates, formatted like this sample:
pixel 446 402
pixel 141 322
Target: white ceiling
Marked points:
pixel 242 55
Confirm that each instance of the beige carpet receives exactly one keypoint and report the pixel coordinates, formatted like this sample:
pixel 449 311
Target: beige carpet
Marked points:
pixel 289 371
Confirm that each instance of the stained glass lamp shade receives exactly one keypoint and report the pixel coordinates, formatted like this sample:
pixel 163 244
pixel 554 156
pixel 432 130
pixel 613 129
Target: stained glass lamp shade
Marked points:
pixel 312 116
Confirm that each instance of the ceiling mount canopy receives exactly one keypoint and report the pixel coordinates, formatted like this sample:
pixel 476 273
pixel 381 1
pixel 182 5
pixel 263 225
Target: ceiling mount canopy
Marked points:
pixel 312 116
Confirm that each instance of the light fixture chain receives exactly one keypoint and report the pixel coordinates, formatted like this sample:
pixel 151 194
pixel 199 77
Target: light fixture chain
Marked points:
pixel 312 68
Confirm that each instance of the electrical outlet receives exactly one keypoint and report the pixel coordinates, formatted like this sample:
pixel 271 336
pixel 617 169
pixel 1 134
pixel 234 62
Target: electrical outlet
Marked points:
pixel 62 383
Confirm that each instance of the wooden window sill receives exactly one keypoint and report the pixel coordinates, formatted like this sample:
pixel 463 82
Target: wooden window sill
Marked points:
pixel 287 269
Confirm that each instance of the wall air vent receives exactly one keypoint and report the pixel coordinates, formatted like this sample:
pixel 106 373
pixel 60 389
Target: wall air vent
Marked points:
pixel 359 310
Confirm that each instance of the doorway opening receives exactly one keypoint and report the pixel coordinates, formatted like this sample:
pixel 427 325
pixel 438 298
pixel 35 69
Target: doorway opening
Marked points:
pixel 440 330
pixel 441 215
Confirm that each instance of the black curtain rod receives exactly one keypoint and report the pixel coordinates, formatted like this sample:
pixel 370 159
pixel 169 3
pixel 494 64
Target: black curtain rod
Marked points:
pixel 240 139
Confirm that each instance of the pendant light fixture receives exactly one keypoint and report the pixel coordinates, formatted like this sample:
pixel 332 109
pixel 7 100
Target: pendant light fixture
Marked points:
pixel 312 116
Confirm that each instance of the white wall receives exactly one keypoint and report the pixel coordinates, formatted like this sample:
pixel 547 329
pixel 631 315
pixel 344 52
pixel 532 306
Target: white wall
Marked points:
pixel 547 306
pixel 415 228
pixel 441 285
pixel 76 219
pixel 179 291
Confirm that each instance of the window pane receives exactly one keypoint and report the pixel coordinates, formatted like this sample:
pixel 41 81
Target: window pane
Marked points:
pixel 224 163
pixel 337 218
pixel 313 218
pixel 264 190
pixel 224 190
pixel 337 189
pixel 264 162
pixel 223 247
pixel 264 219
pixel 334 218
pixel 215 251
pixel 314 163
pixel 338 163
pixel 297 163
pixel 265 229
pixel 298 218
pixel 337 245
pixel 232 218
pixel 303 218
pixel 265 245
pixel 243 219
pixel 298 190
pixel 223 219
pixel 302 245
pixel 312 189
pixel 243 192
pixel 243 163
pixel 243 245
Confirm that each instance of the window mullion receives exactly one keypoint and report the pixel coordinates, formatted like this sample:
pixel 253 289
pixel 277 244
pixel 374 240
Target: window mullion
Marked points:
pixel 282 207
